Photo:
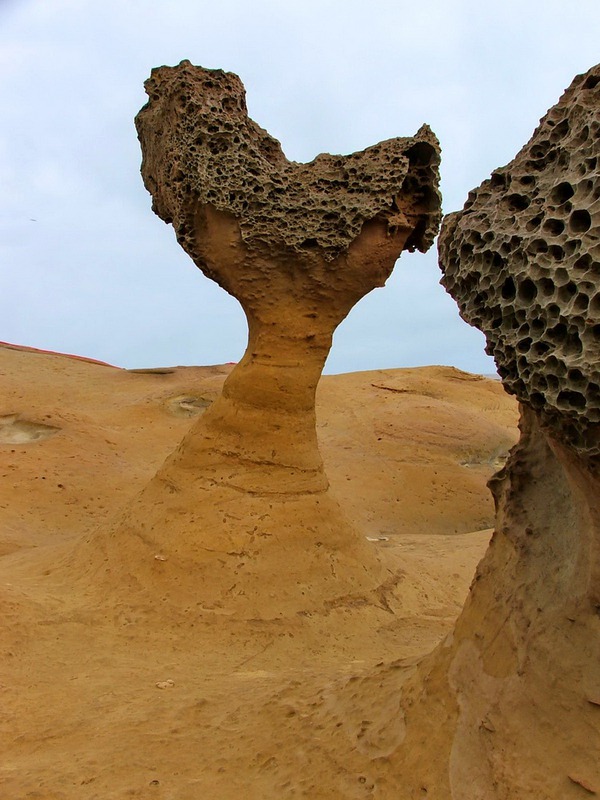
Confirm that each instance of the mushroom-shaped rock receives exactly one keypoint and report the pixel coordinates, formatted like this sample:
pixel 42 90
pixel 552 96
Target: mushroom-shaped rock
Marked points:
pixel 240 513
pixel 297 244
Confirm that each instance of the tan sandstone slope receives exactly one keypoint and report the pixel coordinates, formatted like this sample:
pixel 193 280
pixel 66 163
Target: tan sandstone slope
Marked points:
pixel 407 452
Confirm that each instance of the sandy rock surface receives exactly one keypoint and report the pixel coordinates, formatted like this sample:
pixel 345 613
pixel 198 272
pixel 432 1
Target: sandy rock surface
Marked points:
pixel 129 694
pixel 515 687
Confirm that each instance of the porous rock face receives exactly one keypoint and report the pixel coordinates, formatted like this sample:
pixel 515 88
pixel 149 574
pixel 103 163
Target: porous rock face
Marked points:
pixel 240 517
pixel 523 262
pixel 514 690
pixel 201 148
pixel 297 244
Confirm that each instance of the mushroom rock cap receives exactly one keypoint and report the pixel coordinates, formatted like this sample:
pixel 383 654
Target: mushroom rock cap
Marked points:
pixel 522 260
pixel 201 148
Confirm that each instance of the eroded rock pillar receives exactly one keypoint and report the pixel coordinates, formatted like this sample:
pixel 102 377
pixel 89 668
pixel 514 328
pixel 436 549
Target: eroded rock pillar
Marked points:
pixel 514 690
pixel 239 517
pixel 297 244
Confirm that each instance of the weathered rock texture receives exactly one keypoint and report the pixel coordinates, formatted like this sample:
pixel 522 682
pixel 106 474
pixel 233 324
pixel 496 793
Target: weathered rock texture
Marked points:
pixel 298 245
pixel 521 260
pixel 201 149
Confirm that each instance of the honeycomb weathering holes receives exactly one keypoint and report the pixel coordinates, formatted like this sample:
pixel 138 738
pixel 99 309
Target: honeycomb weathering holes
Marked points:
pixel 297 244
pixel 538 304
pixel 200 147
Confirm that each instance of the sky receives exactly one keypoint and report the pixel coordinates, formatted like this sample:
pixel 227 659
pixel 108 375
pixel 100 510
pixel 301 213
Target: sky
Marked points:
pixel 87 268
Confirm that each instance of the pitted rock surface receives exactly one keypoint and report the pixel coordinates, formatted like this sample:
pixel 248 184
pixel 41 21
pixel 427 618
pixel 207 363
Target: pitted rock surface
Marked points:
pixel 522 259
pixel 297 244
pixel 200 147
pixel 246 492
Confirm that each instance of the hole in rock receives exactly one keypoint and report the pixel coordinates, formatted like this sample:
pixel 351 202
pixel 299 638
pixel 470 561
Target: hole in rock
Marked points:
pixel 508 290
pixel 584 262
pixel 537 399
pixel 558 332
pixel 14 430
pixel 576 376
pixel 581 137
pixel 517 202
pixel 421 154
pixel 540 349
pixel 566 292
pixel 582 301
pixel 187 405
pixel 572 246
pixel 537 246
pixel 524 345
pixel 561 276
pixel 580 221
pixel 572 345
pixel 554 226
pixel 553 311
pixel 561 129
pixel 570 399
pixel 533 223
pixel 527 290
pixel 498 180
pixel 591 82
pixel 539 149
pixel 547 287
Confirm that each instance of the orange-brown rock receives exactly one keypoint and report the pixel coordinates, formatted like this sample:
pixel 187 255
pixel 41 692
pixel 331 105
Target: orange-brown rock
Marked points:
pixel 121 693
pixel 510 689
pixel 298 245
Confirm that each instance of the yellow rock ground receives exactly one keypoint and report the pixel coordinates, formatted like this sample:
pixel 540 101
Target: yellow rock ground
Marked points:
pixel 116 699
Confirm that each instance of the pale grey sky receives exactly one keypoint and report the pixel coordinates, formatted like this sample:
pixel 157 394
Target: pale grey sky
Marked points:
pixel 87 268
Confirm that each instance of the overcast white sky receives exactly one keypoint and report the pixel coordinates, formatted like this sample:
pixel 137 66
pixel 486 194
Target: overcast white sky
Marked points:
pixel 87 268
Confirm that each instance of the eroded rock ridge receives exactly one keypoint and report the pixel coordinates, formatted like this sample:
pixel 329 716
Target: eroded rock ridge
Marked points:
pixel 522 261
